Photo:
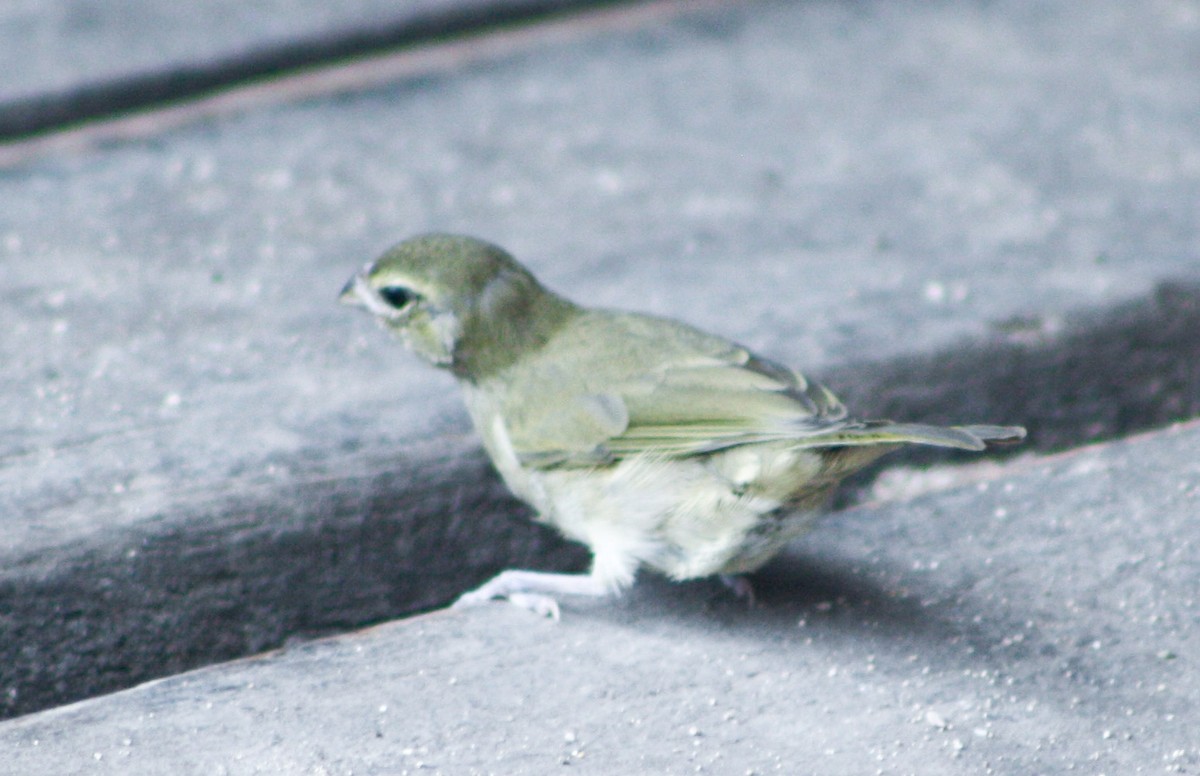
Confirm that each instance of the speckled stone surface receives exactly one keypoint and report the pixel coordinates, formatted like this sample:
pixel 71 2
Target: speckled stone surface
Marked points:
pixel 975 212
pixel 1038 619
pixel 64 55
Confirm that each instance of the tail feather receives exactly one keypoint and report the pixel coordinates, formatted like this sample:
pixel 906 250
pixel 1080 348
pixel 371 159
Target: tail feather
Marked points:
pixel 1001 435
pixel 882 433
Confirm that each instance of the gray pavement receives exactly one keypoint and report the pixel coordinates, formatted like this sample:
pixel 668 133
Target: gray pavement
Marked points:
pixel 978 212
pixel 67 61
pixel 1038 619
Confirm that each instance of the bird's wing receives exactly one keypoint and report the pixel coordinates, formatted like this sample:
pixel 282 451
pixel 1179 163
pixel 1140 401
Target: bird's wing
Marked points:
pixel 696 399
pixel 702 407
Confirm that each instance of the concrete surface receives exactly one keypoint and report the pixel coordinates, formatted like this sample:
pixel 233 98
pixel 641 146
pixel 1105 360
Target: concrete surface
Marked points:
pixel 66 61
pixel 979 212
pixel 1040 619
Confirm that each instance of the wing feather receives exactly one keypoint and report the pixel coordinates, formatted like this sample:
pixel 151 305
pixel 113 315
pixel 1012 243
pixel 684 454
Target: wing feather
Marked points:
pixel 677 392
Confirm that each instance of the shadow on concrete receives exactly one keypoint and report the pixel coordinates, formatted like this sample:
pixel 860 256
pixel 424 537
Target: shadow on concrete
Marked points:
pixel 1090 377
pixel 244 575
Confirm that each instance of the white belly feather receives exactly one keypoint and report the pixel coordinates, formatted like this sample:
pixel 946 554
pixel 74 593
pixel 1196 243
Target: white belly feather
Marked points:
pixel 687 518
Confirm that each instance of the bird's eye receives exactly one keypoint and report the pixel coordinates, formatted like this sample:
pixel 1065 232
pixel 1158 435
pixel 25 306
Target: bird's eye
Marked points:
pixel 398 297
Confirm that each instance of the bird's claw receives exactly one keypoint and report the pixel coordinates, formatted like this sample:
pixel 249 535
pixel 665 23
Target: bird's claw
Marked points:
pixel 538 603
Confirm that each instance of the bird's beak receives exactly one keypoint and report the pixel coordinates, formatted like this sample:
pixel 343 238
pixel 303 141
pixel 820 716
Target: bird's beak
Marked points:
pixel 350 293
pixel 358 293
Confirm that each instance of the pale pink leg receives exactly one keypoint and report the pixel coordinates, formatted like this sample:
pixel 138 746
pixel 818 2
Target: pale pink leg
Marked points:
pixel 741 587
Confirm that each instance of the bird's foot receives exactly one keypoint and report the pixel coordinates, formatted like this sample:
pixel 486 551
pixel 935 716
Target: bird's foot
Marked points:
pixel 532 590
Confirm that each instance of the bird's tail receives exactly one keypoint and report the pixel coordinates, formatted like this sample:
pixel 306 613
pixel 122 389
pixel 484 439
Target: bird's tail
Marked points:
pixel 888 433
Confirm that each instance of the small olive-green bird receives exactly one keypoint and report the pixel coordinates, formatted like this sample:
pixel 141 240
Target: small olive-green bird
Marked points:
pixel 645 439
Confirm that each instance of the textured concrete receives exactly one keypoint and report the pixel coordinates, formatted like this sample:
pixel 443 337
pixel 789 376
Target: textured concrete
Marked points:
pixel 67 61
pixel 1040 619
pixel 952 211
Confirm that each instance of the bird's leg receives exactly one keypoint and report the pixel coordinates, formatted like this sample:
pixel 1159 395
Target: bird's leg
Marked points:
pixel 536 590
pixel 741 587
pixel 533 590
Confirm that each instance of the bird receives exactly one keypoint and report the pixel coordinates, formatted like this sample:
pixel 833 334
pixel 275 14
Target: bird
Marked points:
pixel 651 442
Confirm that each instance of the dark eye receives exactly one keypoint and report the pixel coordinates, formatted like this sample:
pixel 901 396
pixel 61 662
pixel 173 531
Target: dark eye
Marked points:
pixel 398 297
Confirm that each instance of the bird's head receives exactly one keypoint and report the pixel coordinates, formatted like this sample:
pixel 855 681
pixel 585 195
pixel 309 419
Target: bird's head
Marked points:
pixel 458 302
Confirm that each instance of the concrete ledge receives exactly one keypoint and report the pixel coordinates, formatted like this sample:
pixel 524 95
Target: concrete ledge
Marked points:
pixel 212 577
pixel 1037 620
pixel 67 63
